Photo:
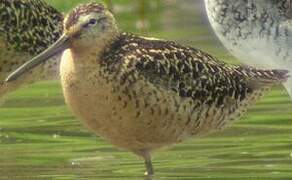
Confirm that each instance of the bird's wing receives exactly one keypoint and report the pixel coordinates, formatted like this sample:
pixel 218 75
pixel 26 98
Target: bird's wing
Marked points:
pixel 186 71
pixel 26 29
pixel 192 73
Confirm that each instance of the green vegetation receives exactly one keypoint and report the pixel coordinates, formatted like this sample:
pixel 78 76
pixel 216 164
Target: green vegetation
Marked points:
pixel 41 139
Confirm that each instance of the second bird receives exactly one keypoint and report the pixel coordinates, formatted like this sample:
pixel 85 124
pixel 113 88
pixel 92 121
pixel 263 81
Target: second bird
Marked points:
pixel 26 29
pixel 142 94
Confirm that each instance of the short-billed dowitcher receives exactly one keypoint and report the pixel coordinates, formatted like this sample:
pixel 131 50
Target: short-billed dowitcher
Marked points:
pixel 255 31
pixel 143 93
pixel 26 29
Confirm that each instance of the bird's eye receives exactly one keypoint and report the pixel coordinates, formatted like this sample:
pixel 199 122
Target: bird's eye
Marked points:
pixel 92 22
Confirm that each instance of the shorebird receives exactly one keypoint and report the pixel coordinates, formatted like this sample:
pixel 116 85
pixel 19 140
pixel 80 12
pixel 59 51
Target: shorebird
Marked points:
pixel 26 29
pixel 257 32
pixel 141 93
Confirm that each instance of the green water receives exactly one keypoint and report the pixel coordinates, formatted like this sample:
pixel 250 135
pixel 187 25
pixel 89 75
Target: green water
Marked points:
pixel 40 139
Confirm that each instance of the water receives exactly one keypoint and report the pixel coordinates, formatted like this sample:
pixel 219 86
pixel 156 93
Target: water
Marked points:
pixel 40 139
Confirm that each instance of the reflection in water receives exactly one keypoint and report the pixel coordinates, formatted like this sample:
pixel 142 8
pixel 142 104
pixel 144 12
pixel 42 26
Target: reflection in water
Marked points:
pixel 40 139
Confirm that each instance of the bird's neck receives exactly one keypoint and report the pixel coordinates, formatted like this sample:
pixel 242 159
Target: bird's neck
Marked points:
pixel 91 53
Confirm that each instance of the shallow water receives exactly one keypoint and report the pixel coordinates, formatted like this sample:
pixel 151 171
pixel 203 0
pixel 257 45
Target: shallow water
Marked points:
pixel 40 139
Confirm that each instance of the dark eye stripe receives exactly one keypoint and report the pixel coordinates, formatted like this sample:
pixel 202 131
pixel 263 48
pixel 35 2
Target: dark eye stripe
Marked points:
pixel 85 25
pixel 101 19
pixel 93 22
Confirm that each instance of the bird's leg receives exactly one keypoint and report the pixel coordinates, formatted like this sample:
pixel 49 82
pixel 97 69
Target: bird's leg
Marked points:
pixel 147 160
pixel 148 165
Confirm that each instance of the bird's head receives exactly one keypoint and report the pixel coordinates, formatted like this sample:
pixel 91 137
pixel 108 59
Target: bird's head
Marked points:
pixel 84 27
pixel 89 23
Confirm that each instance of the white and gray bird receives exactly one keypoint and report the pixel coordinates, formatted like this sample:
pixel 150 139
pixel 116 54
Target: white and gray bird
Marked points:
pixel 257 32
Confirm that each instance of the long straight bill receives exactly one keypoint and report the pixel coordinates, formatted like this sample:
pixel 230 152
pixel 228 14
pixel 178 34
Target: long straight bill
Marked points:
pixel 60 45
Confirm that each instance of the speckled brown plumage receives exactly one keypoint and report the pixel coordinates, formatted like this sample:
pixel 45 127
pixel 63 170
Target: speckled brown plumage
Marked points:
pixel 189 73
pixel 27 27
pixel 82 10
pixel 142 94
pixel 30 25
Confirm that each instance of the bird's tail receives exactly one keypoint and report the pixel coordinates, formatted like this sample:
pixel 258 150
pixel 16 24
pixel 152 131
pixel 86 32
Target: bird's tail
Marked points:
pixel 267 77
pixel 274 76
